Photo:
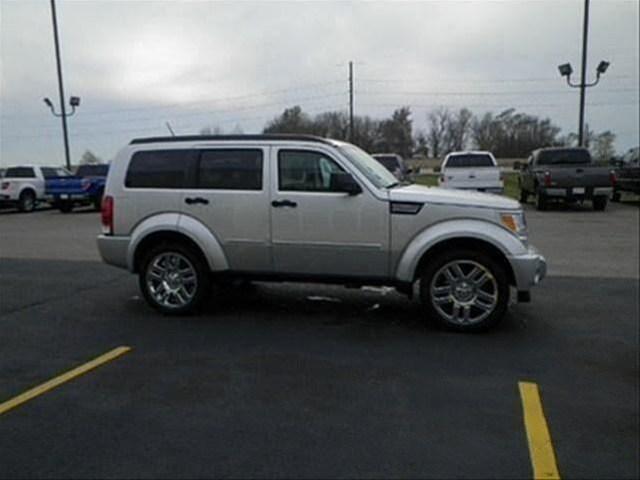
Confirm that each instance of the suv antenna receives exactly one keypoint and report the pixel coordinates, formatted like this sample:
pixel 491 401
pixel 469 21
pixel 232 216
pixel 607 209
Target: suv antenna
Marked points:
pixel 170 129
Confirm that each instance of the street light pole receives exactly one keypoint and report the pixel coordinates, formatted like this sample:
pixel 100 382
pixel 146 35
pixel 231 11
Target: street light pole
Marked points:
pixel 351 133
pixel 63 115
pixel 583 78
pixel 566 70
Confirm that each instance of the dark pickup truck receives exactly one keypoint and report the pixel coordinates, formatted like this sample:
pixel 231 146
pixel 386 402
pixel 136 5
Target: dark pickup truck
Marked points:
pixel 566 174
pixel 86 187
pixel 628 175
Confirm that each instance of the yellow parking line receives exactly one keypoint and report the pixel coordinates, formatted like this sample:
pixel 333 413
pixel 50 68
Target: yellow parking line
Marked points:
pixel 543 458
pixel 59 380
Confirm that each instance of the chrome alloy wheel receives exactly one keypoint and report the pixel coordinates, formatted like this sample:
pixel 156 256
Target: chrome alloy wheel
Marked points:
pixel 171 280
pixel 464 292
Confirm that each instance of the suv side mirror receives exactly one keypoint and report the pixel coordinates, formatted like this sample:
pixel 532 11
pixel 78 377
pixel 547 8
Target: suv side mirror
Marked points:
pixel 344 182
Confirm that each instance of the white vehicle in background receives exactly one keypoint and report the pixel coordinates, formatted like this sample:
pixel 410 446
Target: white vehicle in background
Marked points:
pixel 471 171
pixel 24 186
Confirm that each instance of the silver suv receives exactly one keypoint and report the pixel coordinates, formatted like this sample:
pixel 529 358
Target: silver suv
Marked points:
pixel 186 212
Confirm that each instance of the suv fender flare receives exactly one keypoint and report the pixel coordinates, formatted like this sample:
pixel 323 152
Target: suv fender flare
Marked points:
pixel 27 186
pixel 184 225
pixel 488 232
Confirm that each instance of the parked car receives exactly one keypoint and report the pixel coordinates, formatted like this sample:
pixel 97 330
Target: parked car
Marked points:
pixel 628 175
pixel 86 187
pixel 182 212
pixel 395 164
pixel 565 174
pixel 24 186
pixel 471 171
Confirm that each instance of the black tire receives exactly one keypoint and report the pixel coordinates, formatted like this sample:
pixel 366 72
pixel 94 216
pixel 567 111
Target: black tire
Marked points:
pixel 615 197
pixel 524 196
pixel 27 201
pixel 65 207
pixel 599 203
pixel 97 201
pixel 541 201
pixel 501 287
pixel 202 276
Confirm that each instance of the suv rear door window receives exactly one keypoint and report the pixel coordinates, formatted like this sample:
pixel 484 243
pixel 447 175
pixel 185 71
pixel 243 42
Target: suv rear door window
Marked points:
pixel 20 172
pixel 158 169
pixel 305 171
pixel 469 161
pixel 230 169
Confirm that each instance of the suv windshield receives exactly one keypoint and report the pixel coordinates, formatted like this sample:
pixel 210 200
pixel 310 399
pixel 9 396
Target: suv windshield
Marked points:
pixel 52 172
pixel 569 156
pixel 100 170
pixel 369 166
pixel 469 160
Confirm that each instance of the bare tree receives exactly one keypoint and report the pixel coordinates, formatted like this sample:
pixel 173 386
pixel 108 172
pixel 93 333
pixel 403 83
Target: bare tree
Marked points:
pixel 458 129
pixel 436 135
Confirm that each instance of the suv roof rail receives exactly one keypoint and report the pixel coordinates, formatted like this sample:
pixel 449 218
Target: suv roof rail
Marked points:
pixel 196 138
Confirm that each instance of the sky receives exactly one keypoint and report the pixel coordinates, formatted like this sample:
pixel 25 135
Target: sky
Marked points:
pixel 235 65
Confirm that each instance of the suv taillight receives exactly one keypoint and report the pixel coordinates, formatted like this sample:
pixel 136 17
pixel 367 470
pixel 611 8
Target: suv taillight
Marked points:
pixel 547 179
pixel 107 215
pixel 613 178
pixel 5 185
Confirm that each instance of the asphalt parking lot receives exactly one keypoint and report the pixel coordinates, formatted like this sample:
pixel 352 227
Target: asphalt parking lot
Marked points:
pixel 287 380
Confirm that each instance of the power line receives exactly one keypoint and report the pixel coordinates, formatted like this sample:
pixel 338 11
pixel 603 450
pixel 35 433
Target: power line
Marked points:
pixel 477 82
pixel 265 93
pixel 161 126
pixel 489 93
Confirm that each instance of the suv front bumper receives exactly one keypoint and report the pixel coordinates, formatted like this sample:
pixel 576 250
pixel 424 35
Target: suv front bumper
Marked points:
pixel 528 269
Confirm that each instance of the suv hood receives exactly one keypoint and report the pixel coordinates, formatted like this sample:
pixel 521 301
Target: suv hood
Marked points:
pixel 449 196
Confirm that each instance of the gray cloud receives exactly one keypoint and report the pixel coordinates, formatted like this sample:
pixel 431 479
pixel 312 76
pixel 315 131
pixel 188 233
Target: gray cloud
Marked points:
pixel 138 64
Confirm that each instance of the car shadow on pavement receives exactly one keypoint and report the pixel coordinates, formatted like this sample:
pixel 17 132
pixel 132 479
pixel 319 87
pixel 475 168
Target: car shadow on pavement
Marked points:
pixel 326 306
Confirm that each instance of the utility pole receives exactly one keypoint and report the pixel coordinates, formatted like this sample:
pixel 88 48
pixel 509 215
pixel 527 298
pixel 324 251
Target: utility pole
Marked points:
pixel 63 115
pixel 585 32
pixel 351 132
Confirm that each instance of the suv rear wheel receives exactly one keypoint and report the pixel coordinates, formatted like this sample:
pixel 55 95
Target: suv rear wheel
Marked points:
pixel 541 201
pixel 27 201
pixel 465 290
pixel 174 279
pixel 599 203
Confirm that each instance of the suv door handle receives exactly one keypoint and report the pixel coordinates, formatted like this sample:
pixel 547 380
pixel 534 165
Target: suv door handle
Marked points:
pixel 283 203
pixel 194 200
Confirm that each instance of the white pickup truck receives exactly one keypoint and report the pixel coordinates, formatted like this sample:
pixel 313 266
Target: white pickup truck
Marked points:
pixel 471 171
pixel 24 186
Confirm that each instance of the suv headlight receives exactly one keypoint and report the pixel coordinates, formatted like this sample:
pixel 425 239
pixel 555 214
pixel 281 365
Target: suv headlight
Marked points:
pixel 516 222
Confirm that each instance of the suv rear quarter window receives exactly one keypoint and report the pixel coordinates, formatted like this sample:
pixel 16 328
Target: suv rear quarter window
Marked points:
pixel 20 172
pixel 158 169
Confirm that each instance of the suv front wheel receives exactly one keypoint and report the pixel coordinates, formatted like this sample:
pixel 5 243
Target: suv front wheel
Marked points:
pixel 465 290
pixel 173 279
